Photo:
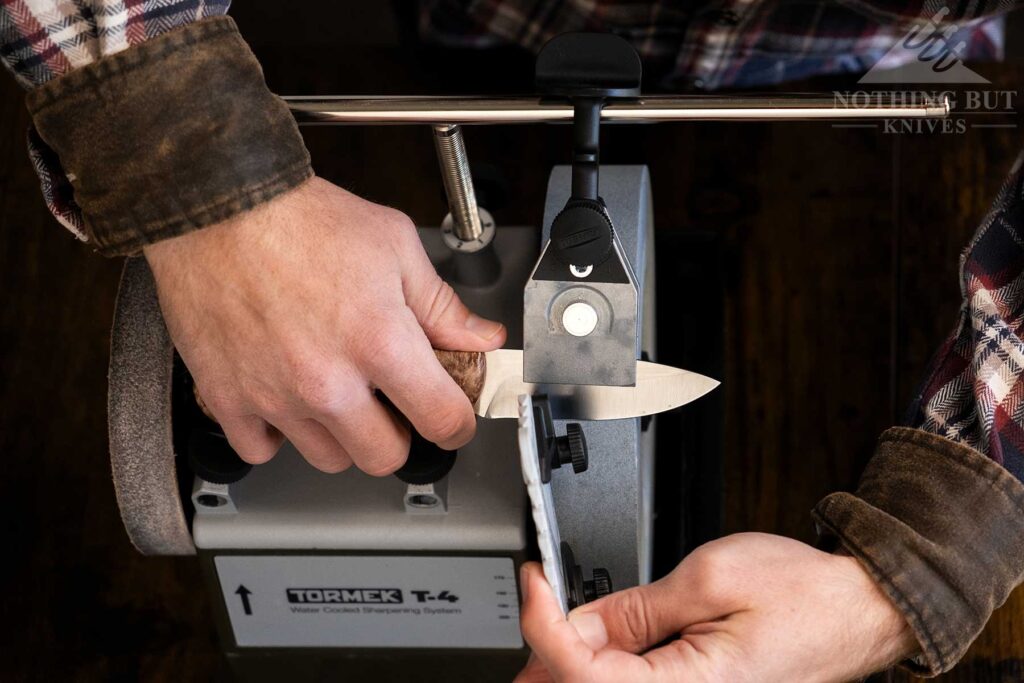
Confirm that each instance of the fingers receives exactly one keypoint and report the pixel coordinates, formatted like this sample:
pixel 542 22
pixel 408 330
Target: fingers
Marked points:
pixel 574 649
pixel 555 643
pixel 445 320
pixel 373 437
pixel 317 445
pixel 639 618
pixel 602 640
pixel 253 438
pixel 407 371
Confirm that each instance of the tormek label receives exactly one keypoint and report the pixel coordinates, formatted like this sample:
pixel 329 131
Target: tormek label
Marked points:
pixel 371 601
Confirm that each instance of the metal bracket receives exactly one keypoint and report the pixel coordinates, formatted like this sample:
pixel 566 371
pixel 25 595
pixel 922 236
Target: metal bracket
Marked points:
pixel 212 498
pixel 553 353
pixel 427 499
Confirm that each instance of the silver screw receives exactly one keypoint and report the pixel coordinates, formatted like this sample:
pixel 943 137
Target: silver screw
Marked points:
pixel 458 182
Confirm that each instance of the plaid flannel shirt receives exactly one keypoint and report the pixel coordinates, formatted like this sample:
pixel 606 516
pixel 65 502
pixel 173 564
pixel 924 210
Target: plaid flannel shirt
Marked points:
pixel 724 43
pixel 974 390
pixel 45 39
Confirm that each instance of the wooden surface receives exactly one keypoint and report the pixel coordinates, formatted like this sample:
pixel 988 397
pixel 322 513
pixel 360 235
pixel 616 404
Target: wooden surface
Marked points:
pixel 839 247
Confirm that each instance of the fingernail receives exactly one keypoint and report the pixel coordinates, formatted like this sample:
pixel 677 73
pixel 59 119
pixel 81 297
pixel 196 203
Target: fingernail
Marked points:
pixel 591 628
pixel 482 327
pixel 524 581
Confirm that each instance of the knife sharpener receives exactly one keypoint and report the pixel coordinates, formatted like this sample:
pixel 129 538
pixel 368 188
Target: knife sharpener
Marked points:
pixel 322 577
pixel 289 552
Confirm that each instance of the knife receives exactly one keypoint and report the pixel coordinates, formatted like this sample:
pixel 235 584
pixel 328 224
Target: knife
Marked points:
pixel 493 381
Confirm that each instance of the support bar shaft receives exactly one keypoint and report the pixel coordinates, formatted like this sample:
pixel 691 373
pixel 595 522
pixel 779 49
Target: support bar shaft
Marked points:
pixel 488 110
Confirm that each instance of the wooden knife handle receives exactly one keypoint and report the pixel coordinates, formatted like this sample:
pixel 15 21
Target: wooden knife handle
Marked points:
pixel 467 368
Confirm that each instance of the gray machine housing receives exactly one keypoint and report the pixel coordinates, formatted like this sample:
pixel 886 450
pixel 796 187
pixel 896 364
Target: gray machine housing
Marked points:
pixel 606 513
pixel 285 516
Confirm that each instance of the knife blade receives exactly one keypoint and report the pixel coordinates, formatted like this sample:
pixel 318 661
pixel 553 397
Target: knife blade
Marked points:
pixel 493 381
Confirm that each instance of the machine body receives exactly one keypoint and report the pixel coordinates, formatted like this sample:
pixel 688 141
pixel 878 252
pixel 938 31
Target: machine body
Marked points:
pixel 311 571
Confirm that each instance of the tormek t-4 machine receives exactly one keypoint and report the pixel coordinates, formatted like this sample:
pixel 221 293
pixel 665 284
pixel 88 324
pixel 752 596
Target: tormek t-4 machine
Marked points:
pixel 350 577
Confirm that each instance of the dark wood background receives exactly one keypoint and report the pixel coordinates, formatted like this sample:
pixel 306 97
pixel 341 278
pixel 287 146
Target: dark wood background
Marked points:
pixel 838 278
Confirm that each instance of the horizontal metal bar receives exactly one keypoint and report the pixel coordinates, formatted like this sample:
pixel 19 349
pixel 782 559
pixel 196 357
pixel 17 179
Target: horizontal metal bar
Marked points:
pixel 660 108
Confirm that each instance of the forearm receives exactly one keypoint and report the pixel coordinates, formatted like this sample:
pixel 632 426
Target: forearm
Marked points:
pixel 150 119
pixel 45 39
pixel 940 528
pixel 172 135
pixel 938 518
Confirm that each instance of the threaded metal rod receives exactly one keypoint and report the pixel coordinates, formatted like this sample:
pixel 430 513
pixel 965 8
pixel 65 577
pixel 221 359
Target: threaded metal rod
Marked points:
pixel 458 182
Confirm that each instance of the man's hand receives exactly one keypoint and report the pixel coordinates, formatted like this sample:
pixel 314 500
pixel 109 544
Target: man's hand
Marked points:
pixel 749 607
pixel 290 315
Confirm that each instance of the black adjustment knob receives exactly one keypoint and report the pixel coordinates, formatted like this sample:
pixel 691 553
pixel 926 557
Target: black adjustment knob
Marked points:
pixel 599 587
pixel 581 234
pixel 428 463
pixel 572 448
pixel 588 65
pixel 579 591
pixel 212 459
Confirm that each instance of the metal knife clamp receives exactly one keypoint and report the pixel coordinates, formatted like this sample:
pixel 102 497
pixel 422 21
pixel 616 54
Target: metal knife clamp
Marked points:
pixel 317 575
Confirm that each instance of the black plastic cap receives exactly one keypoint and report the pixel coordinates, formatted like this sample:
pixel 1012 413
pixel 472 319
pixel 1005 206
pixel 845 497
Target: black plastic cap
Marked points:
pixel 588 65
pixel 574 583
pixel 600 586
pixel 427 463
pixel 577 447
pixel 212 459
pixel 581 234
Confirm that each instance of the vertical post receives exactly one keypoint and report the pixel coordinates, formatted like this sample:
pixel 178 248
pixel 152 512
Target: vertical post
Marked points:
pixel 458 182
pixel 586 145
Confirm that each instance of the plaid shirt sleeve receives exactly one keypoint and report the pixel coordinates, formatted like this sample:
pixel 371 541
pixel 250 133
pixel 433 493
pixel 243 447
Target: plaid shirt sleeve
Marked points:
pixel 974 390
pixel 45 39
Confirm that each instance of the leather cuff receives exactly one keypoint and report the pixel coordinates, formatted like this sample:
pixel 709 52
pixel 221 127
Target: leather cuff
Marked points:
pixel 940 527
pixel 173 134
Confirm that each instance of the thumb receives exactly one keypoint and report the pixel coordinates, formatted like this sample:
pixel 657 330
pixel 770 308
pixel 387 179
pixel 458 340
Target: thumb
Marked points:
pixel 446 321
pixel 634 619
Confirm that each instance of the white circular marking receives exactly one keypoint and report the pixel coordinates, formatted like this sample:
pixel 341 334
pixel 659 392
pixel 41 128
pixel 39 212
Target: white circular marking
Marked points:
pixel 579 319
pixel 581 272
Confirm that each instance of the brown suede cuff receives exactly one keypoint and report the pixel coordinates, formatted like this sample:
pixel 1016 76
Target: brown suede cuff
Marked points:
pixel 940 527
pixel 171 135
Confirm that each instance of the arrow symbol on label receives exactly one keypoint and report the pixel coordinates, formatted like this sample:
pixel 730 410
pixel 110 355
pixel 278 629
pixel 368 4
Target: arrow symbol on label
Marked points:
pixel 244 593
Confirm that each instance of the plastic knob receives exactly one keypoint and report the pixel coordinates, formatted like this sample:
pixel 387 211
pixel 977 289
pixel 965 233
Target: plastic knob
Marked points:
pixel 572 448
pixel 578 591
pixel 577 447
pixel 599 587
pixel 212 459
pixel 581 234
pixel 588 65
pixel 427 463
